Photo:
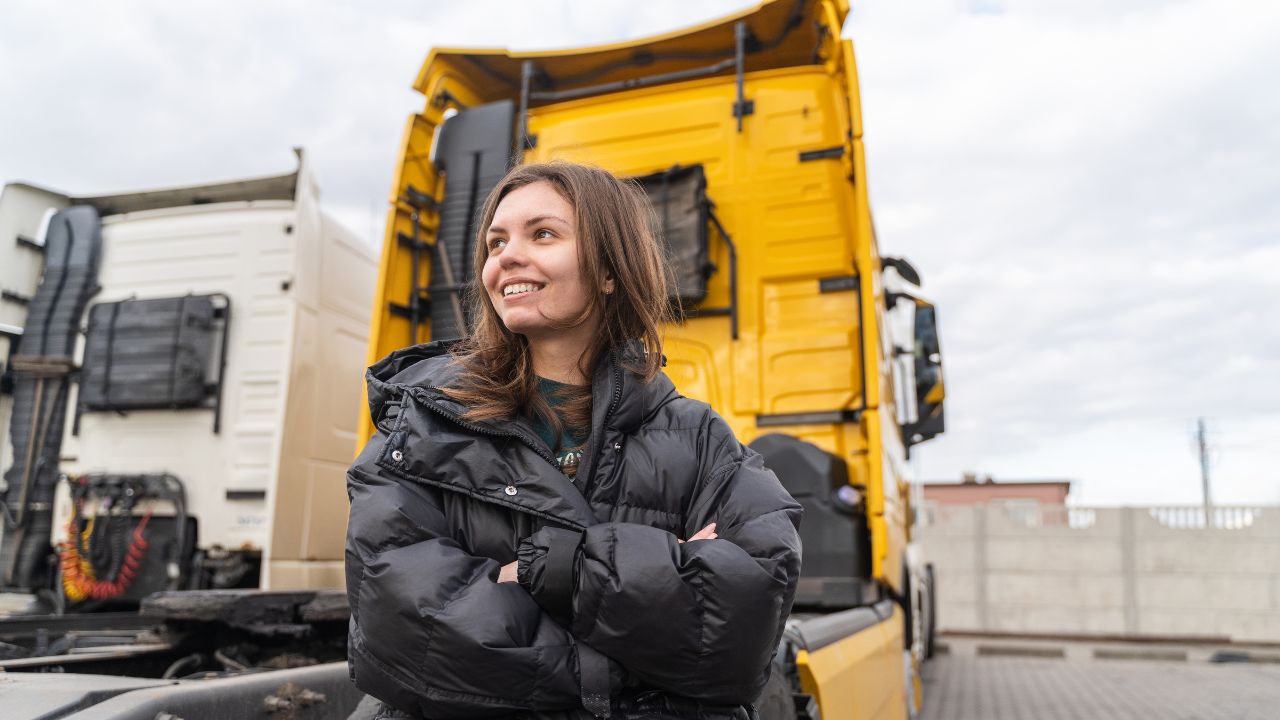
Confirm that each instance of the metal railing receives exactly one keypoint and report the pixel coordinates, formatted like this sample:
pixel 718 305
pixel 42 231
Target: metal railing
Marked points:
pixel 1031 514
pixel 1220 517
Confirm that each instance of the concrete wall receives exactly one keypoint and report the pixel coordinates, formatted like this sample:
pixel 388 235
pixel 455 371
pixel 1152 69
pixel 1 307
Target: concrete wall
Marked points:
pixel 1023 567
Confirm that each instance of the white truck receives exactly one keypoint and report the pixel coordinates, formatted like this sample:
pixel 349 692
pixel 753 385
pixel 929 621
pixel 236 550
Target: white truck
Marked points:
pixel 182 378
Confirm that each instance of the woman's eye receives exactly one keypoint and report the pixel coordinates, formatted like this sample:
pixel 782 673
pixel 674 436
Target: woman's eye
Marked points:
pixel 497 243
pixel 542 234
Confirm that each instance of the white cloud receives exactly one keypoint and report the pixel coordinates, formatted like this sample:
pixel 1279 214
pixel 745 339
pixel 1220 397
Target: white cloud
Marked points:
pixel 1087 195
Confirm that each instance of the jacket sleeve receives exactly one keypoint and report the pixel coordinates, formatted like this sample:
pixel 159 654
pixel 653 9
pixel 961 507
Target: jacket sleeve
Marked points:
pixel 701 619
pixel 432 632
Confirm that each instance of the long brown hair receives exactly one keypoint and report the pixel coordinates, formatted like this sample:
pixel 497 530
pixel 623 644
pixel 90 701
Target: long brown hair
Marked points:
pixel 615 240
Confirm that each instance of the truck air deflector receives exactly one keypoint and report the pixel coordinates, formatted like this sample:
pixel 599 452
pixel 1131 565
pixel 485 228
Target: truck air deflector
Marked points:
pixel 42 377
pixel 276 187
pixel 774 34
pixel 474 152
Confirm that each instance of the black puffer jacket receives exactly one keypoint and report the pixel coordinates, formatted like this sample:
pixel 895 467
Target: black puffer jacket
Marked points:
pixel 608 603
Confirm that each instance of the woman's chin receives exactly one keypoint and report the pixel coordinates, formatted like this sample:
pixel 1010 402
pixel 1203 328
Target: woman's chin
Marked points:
pixel 520 326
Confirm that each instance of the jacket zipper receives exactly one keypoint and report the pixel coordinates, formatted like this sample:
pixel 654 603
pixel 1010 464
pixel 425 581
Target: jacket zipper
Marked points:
pixel 497 433
pixel 613 406
pixel 614 399
pixel 492 433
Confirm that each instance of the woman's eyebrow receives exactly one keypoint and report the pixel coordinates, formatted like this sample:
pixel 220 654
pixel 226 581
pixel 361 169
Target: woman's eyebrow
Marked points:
pixel 531 222
pixel 543 218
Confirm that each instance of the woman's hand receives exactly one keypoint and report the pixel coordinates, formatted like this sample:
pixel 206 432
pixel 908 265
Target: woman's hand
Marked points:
pixel 706 533
pixel 508 571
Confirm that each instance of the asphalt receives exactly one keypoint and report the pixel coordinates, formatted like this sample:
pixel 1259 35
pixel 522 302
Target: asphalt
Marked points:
pixel 976 680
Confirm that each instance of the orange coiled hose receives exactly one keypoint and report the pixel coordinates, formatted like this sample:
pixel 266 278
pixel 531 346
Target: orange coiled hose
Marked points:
pixel 78 578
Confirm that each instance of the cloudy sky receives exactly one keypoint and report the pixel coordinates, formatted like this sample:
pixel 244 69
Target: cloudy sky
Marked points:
pixel 1091 189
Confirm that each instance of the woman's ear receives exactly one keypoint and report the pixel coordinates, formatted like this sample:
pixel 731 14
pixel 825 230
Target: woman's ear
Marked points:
pixel 608 284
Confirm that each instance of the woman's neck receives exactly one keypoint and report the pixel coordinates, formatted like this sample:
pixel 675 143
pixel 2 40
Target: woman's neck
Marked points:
pixel 559 358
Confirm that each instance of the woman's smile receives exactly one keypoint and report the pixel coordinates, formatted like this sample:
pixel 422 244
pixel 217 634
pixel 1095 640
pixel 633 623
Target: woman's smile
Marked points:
pixel 512 291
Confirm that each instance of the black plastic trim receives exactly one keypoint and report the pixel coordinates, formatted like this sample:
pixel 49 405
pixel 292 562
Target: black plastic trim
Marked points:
pixel 404 311
pixel 246 494
pixel 742 107
pixel 15 298
pixel 837 283
pixel 694 313
pixel 522 115
pixel 408 241
pixel 416 247
pixel 30 244
pixel 820 417
pixel 733 272
pixel 420 200
pixel 830 153
pixel 445 98
pixel 222 361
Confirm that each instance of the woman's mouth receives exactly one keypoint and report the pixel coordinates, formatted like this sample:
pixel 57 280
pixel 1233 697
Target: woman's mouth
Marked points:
pixel 520 289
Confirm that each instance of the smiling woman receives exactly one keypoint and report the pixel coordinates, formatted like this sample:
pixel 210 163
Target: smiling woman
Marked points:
pixel 569 269
pixel 542 526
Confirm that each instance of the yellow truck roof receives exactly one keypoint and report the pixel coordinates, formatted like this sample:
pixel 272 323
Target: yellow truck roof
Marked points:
pixel 789 29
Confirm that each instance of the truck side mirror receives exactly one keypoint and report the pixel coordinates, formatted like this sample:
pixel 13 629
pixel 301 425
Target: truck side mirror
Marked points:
pixel 930 389
pixel 904 268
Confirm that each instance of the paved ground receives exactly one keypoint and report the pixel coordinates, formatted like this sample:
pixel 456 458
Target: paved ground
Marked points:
pixel 981 687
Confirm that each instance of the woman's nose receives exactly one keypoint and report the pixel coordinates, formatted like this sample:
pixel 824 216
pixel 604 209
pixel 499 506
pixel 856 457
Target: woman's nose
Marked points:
pixel 513 253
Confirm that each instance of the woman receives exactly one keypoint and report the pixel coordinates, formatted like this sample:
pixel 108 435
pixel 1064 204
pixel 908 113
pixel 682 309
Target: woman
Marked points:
pixel 489 574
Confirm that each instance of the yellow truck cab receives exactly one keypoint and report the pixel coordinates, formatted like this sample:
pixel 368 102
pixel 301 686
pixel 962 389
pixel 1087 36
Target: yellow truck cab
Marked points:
pixel 746 133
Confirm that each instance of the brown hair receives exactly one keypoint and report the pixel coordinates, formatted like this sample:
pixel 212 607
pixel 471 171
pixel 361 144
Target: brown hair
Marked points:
pixel 613 219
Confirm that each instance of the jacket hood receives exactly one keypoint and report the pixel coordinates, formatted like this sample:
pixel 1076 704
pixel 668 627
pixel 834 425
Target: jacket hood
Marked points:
pixel 619 395
pixel 427 365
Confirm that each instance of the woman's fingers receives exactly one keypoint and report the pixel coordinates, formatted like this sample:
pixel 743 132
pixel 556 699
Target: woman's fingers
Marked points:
pixel 706 533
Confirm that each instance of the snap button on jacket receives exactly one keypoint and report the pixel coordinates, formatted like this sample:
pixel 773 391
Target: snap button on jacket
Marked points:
pixel 439 504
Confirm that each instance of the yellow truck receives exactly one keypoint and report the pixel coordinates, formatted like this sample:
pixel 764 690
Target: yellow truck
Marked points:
pixel 746 133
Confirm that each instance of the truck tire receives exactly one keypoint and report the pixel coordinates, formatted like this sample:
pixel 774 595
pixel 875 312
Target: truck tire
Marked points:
pixel 931 630
pixel 777 701
pixel 909 608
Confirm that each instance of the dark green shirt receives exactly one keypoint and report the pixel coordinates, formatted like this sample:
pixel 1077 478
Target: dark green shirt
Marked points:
pixel 568 447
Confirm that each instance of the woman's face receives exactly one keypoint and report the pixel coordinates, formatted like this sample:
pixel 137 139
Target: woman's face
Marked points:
pixel 532 274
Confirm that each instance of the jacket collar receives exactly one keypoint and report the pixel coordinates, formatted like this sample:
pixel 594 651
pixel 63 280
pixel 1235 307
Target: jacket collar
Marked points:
pixel 621 402
pixel 620 399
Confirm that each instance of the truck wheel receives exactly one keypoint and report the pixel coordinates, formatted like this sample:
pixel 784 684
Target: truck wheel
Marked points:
pixel 912 689
pixel 777 702
pixel 910 610
pixel 931 631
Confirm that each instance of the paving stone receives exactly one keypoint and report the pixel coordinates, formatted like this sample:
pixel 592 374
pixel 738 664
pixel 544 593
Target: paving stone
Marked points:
pixel 1030 688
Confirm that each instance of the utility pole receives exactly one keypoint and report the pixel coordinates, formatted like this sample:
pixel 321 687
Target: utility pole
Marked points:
pixel 1203 443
